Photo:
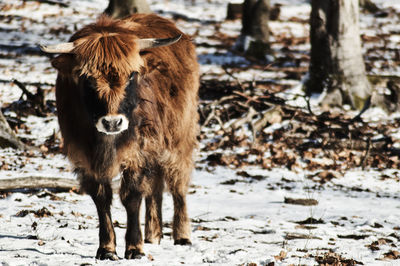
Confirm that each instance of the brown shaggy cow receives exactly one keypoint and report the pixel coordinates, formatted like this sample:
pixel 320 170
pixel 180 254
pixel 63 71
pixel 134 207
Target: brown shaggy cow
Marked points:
pixel 127 103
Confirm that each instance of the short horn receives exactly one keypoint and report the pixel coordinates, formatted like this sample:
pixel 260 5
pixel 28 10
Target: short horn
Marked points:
pixel 61 48
pixel 153 42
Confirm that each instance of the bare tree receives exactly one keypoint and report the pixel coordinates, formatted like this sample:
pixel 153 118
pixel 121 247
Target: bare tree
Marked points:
pixel 123 8
pixel 254 37
pixel 336 58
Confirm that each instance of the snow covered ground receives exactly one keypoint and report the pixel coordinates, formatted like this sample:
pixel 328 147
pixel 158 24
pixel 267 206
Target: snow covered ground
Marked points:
pixel 247 222
pixel 239 217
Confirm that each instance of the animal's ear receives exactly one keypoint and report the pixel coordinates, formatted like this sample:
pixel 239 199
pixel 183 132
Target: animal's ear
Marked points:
pixel 63 63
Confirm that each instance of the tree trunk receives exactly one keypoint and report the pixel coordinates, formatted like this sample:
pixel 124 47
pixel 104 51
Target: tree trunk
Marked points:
pixel 7 136
pixel 336 63
pixel 122 8
pixel 254 37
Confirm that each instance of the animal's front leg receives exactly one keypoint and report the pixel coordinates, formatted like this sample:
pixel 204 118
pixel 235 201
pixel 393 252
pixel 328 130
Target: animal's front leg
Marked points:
pixel 101 194
pixel 131 197
pixel 153 225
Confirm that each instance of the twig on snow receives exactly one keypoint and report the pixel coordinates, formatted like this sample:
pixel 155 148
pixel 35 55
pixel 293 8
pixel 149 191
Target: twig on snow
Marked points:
pixel 368 148
pixel 367 104
pixel 50 2
pixel 24 89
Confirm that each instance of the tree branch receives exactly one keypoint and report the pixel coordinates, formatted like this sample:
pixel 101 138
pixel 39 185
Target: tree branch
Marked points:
pixel 35 182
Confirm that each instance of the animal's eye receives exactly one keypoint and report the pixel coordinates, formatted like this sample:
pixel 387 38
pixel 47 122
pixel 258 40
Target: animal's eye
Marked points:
pixel 90 82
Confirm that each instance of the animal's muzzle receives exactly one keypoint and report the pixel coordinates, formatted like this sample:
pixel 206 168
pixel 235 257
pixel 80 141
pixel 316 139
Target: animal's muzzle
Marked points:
pixel 112 124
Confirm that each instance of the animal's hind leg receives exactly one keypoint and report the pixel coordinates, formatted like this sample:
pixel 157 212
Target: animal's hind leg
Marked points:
pixel 101 194
pixel 131 194
pixel 153 226
pixel 181 223
pixel 178 186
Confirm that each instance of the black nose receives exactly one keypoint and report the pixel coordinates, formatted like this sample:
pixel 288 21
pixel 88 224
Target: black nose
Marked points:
pixel 106 123
pixel 111 124
pixel 119 122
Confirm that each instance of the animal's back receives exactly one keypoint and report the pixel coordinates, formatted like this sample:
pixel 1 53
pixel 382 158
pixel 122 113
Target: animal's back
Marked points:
pixel 173 73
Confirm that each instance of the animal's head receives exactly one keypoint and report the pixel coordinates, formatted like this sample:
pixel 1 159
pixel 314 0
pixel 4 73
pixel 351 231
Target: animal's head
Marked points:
pixel 103 61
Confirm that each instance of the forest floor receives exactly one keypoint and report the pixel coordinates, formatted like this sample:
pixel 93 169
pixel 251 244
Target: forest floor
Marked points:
pixel 278 179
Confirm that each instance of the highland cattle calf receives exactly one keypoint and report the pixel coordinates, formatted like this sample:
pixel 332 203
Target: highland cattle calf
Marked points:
pixel 126 96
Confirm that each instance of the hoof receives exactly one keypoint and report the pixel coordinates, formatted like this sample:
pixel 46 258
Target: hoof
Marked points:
pixel 104 254
pixel 134 254
pixel 183 242
pixel 152 241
